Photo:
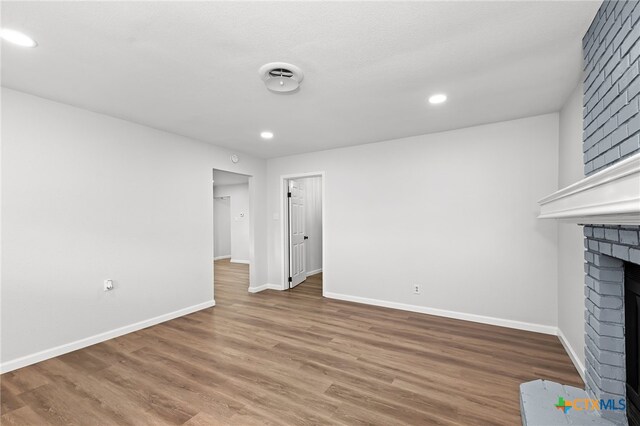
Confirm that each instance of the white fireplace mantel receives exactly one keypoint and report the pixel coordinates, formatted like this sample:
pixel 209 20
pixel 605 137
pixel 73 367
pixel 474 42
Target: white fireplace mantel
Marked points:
pixel 608 197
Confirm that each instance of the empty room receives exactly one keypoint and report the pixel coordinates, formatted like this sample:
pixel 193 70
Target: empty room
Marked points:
pixel 320 212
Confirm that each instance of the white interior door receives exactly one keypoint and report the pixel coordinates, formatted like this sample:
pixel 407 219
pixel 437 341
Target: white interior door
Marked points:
pixel 297 237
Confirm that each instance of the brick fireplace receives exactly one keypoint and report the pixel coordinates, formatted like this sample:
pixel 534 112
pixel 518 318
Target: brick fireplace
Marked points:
pixel 606 202
pixel 608 248
pixel 611 134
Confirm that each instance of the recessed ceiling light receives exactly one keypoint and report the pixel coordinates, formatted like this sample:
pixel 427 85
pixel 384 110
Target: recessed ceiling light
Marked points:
pixel 16 37
pixel 266 135
pixel 437 99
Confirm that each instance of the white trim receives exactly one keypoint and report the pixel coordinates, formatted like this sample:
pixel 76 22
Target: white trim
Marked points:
pixel 519 325
pixel 92 340
pixel 572 355
pixel 246 262
pixel 222 257
pixel 315 271
pixel 610 196
pixel 265 287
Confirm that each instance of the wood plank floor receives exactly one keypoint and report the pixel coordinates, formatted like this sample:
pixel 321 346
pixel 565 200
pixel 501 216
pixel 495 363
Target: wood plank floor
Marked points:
pixel 289 358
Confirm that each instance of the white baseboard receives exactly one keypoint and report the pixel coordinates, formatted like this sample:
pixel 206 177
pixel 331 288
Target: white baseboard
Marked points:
pixel 246 262
pixel 315 271
pixel 228 256
pixel 519 325
pixel 265 287
pixel 92 340
pixel 572 355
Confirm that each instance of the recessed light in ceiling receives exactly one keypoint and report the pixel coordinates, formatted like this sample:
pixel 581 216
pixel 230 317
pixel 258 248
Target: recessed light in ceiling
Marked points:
pixel 266 135
pixel 16 37
pixel 437 99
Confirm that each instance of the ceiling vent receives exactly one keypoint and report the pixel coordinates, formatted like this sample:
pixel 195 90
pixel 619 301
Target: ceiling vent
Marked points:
pixel 281 77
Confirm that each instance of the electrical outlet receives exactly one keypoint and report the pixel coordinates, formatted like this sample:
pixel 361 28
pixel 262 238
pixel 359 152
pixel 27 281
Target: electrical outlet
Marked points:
pixel 416 289
pixel 108 285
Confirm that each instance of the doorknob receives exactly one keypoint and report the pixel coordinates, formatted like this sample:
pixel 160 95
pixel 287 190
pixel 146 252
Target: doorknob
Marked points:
pixel 306 237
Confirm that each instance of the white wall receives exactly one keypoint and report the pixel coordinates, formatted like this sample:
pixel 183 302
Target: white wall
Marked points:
pixel 454 212
pixel 87 197
pixel 222 228
pixel 313 222
pixel 239 212
pixel 570 237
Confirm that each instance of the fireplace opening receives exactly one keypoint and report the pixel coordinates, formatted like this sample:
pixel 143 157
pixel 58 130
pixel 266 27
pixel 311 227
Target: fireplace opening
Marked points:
pixel 632 341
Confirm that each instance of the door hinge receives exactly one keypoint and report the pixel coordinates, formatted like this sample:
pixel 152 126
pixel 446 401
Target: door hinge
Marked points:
pixel 290 279
pixel 288 195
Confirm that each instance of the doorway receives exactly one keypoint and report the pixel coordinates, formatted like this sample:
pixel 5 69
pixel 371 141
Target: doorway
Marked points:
pixel 303 226
pixel 231 230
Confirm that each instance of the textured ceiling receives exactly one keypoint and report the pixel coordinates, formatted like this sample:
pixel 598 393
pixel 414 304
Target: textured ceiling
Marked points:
pixel 191 67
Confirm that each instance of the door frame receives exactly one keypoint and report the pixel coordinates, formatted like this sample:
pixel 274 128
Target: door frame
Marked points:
pixel 284 226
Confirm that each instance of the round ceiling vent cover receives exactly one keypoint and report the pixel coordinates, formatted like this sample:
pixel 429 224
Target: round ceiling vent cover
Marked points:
pixel 281 77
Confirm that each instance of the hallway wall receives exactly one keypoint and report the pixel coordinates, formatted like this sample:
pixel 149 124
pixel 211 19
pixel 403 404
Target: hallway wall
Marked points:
pixel 238 219
pixel 221 228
